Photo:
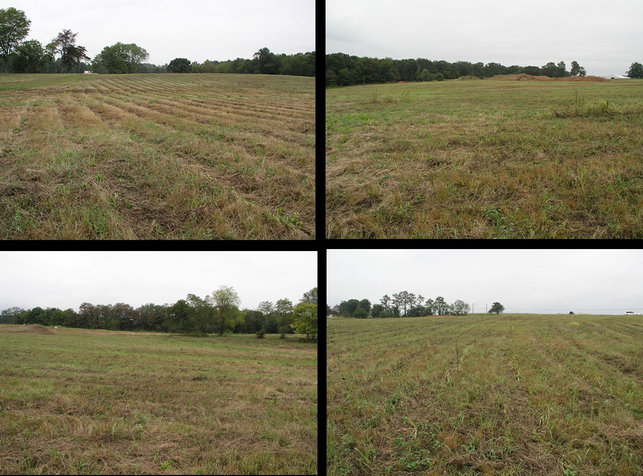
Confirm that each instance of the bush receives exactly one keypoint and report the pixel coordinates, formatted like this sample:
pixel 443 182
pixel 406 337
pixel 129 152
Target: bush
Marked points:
pixel 260 334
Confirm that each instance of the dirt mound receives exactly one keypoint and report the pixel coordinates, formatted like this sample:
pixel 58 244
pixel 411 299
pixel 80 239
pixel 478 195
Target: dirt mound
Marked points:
pixel 530 77
pixel 30 329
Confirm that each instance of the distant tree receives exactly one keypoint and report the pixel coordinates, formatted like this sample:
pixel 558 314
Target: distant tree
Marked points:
pixel 14 26
pixel 377 310
pixel 310 296
pixel 361 312
pixel 550 69
pixel 497 308
pixel 366 304
pixel 460 308
pixel 283 309
pixel 305 320
pixel 347 308
pixel 226 302
pixel 635 71
pixel 267 62
pixel 429 307
pixel 577 70
pixel 11 315
pixel 30 57
pixel 180 317
pixel 561 70
pixel 119 58
pixel 440 306
pixel 415 311
pixel 179 65
pixel 202 315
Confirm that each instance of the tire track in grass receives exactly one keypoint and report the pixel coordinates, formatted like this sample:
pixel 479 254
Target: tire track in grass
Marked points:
pixel 166 121
pixel 250 123
pixel 236 194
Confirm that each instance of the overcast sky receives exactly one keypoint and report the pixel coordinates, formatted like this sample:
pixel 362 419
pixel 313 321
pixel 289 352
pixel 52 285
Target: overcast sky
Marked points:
pixel 545 281
pixel 67 279
pixel 167 29
pixel 604 36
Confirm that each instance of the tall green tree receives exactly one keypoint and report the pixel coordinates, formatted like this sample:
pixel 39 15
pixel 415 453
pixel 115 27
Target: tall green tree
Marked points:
pixel 460 308
pixel 310 296
pixel 71 54
pixel 203 315
pixel 283 310
pixel 305 320
pixel 226 303
pixel 497 308
pixel 635 71
pixel 179 65
pixel 30 57
pixel 119 58
pixel 14 26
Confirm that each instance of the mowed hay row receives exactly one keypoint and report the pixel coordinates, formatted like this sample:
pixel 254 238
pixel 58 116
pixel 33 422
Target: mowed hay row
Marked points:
pixel 146 156
pixel 123 403
pixel 485 159
pixel 508 394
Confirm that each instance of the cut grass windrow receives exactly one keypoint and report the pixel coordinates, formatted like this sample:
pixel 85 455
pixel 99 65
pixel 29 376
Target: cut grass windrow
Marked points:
pixel 508 394
pixel 156 156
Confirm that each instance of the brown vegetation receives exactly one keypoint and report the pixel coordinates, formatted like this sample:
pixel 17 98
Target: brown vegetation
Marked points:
pixel 156 156
pixel 28 329
pixel 530 77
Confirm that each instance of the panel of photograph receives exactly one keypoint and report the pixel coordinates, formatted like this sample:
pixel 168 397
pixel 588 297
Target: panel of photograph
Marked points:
pixel 485 362
pixel 469 119
pixel 158 363
pixel 171 120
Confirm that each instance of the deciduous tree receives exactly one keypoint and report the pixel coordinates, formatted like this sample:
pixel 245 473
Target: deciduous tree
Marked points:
pixel 226 302
pixel 497 308
pixel 305 320
pixel 14 26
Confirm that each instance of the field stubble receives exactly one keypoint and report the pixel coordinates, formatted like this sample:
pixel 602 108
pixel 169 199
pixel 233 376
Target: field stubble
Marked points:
pixel 513 394
pixel 485 159
pixel 156 156
pixel 82 402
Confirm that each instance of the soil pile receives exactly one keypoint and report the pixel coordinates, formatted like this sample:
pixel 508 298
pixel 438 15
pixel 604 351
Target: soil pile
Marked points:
pixel 30 329
pixel 530 77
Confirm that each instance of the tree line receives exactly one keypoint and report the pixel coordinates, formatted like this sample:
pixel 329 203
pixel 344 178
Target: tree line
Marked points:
pixel 346 70
pixel 63 55
pixel 403 304
pixel 216 313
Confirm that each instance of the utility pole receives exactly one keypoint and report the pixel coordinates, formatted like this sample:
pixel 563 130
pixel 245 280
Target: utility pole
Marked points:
pixel 485 307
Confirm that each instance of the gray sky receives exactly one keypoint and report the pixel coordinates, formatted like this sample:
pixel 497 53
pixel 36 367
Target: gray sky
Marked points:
pixel 68 278
pixel 545 281
pixel 604 36
pixel 167 29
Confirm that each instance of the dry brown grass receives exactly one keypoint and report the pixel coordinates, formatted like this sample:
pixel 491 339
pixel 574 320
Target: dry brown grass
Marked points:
pixel 157 156
pixel 485 159
pixel 87 402
pixel 508 394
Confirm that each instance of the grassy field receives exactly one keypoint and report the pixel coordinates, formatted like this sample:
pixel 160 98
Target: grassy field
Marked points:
pixel 79 401
pixel 485 159
pixel 157 156
pixel 512 394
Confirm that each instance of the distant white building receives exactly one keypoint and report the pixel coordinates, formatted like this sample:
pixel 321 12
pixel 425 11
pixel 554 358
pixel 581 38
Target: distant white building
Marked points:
pixel 88 72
